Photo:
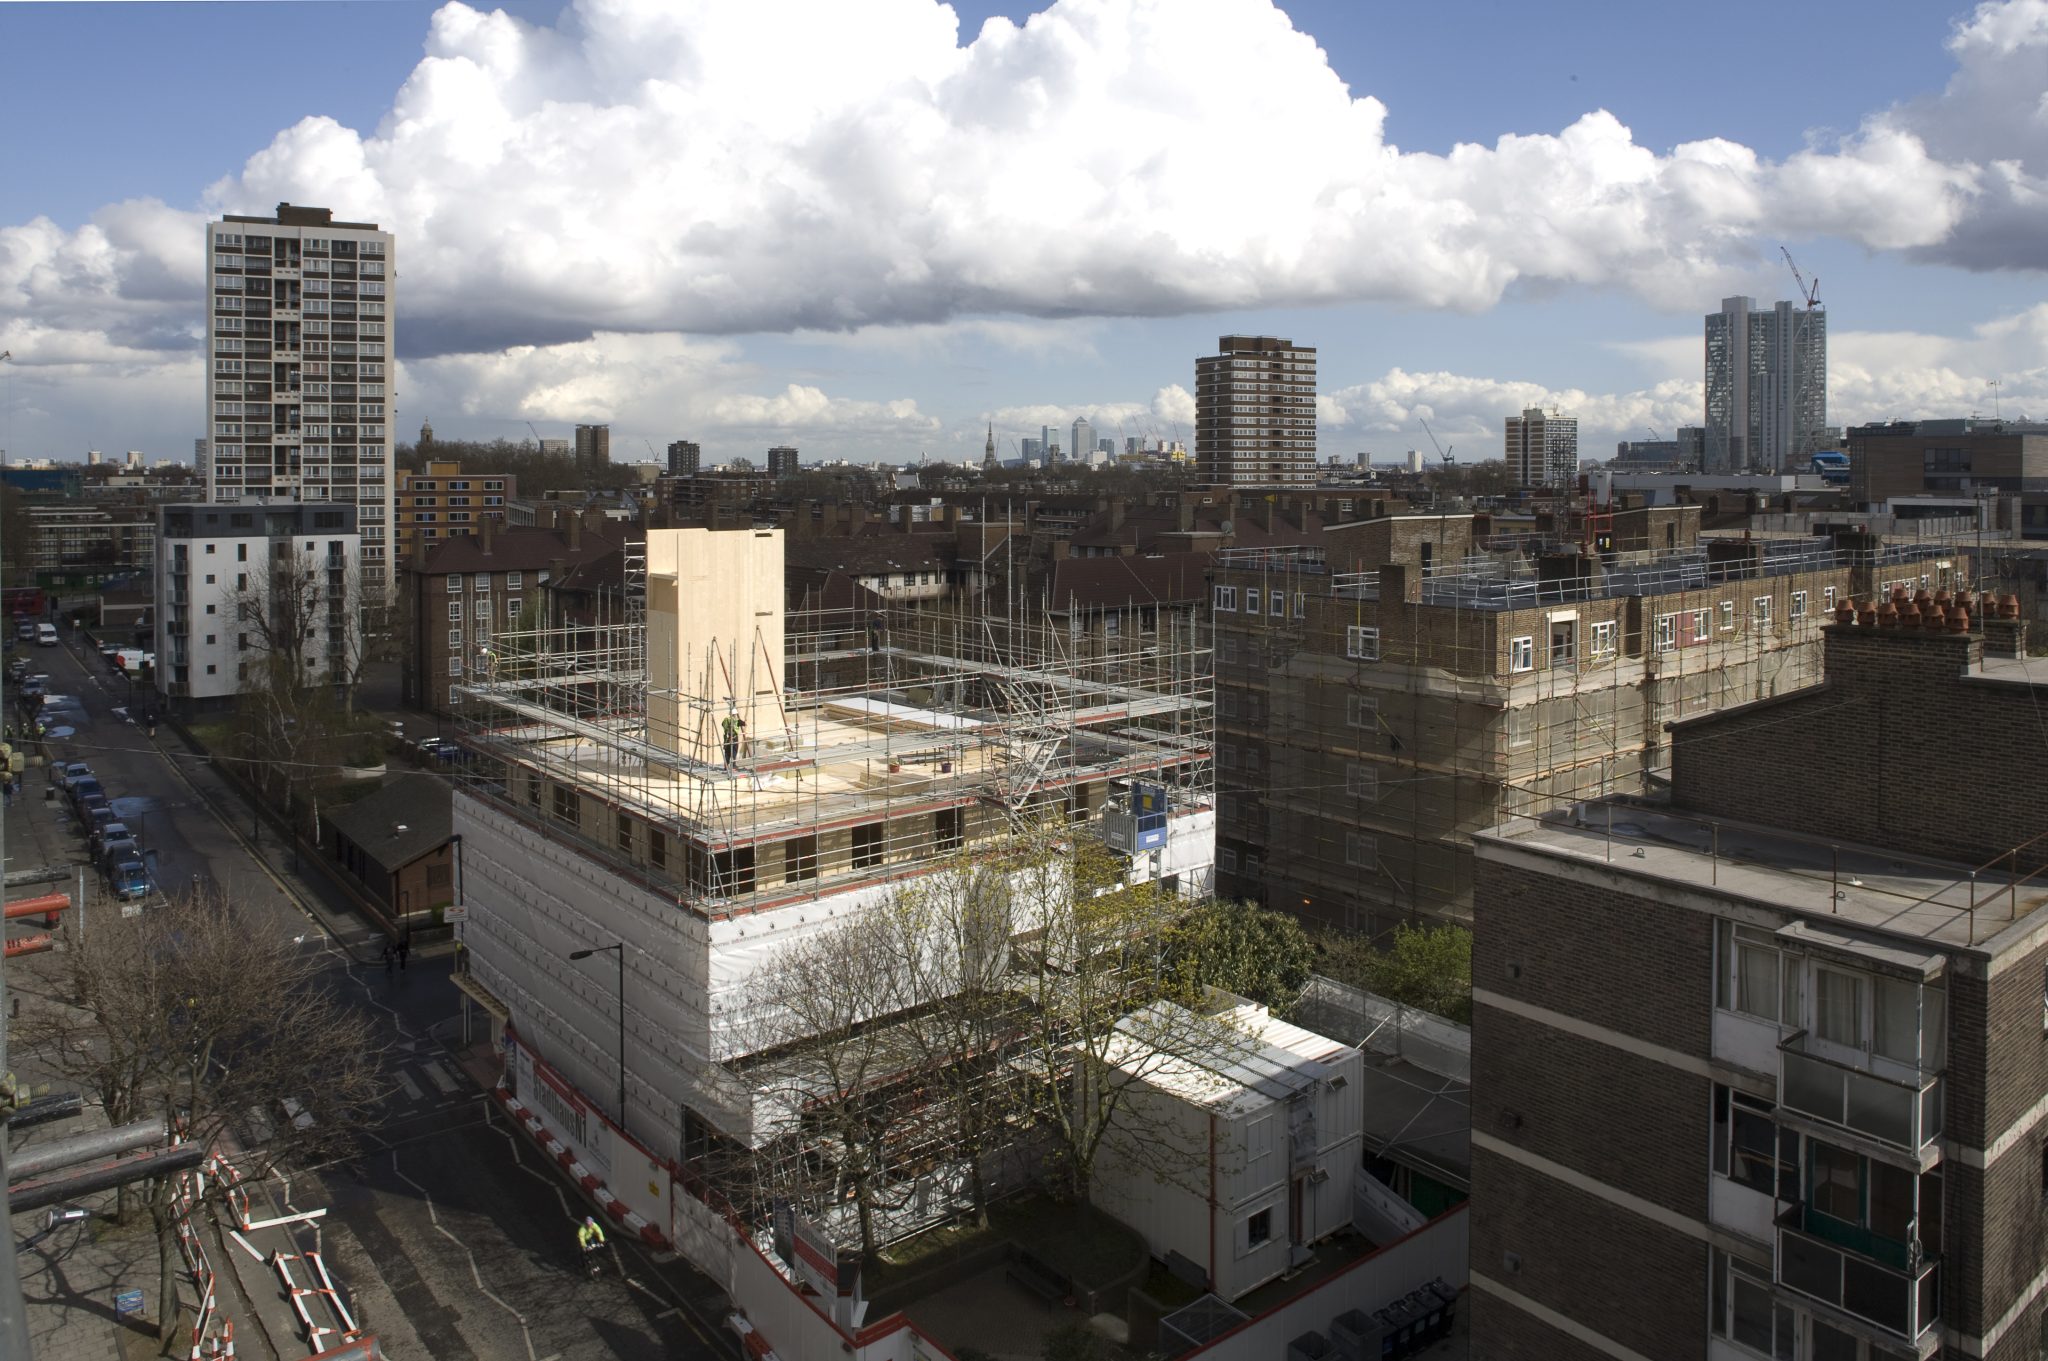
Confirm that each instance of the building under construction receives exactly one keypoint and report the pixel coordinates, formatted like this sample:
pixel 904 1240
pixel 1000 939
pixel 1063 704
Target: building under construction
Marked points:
pixel 714 779
pixel 1413 679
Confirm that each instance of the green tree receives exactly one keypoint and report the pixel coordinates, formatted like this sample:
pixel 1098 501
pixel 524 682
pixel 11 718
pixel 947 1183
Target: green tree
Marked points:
pixel 1246 949
pixel 1424 966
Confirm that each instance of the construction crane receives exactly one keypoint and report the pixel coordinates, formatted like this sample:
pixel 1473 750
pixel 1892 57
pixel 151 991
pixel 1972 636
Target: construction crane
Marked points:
pixel 1441 452
pixel 1808 293
pixel 1653 434
pixel 537 445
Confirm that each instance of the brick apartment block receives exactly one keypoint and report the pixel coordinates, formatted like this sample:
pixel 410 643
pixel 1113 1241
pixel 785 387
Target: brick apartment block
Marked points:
pixel 1762 1071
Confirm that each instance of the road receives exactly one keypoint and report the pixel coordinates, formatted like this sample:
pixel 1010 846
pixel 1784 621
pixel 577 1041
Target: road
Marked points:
pixel 454 1235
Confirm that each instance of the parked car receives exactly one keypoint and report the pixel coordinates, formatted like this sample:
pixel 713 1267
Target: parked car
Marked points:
pixel 83 787
pixel 114 849
pixel 128 878
pixel 94 817
pixel 111 829
pixel 25 629
pixel 65 772
pixel 34 687
pixel 46 635
pixel 17 669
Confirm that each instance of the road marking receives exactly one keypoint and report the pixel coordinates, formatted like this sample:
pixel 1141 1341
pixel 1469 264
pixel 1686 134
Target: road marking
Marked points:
pixel 412 1089
pixel 440 1076
pixel 434 1217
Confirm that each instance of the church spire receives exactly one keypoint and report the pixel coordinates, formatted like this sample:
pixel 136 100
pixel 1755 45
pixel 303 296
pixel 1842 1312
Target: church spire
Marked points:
pixel 988 456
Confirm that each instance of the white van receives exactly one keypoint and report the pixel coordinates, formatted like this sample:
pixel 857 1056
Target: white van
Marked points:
pixel 46 635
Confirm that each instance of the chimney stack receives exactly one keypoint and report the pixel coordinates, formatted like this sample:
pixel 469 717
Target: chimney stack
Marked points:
pixel 485 533
pixel 575 533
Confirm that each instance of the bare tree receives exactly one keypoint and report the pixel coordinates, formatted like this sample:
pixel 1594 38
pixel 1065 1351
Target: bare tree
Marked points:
pixel 201 1014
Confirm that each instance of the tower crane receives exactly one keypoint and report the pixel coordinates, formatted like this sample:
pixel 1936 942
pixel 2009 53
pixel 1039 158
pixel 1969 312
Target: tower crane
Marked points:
pixel 537 445
pixel 1808 293
pixel 1441 452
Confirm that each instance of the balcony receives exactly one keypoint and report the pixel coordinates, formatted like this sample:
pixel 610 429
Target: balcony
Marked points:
pixel 1905 1116
pixel 1900 1295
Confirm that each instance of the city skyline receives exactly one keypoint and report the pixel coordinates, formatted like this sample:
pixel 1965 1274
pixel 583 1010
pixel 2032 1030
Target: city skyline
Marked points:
pixel 930 303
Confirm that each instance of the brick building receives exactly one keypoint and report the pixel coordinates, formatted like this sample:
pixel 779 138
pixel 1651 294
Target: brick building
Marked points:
pixel 1908 458
pixel 462 591
pixel 443 502
pixel 393 849
pixel 1410 680
pixel 1761 1071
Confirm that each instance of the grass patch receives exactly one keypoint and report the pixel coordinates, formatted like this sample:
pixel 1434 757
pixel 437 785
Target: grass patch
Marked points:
pixel 1085 1244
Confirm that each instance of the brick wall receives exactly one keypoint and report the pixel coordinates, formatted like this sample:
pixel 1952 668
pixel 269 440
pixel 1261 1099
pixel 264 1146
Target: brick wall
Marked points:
pixel 1617 1273
pixel 1897 748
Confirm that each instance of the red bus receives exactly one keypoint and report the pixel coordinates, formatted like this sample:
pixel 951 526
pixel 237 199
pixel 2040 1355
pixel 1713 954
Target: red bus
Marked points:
pixel 19 600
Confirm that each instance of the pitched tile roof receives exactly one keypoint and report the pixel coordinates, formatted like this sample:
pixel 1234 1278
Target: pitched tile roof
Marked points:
pixel 421 804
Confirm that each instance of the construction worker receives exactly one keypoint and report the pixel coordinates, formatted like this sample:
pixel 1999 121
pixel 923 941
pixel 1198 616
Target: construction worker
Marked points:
pixel 734 728
pixel 590 1238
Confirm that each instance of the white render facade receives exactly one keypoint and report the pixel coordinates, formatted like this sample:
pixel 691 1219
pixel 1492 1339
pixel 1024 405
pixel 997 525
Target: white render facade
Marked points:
pixel 208 557
pixel 299 399
pixel 1542 448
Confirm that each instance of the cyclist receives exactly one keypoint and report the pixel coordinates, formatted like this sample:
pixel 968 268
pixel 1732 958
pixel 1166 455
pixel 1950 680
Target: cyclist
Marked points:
pixel 590 1238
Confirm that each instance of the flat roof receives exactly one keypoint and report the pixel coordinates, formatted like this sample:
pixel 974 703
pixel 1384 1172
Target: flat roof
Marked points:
pixel 1851 887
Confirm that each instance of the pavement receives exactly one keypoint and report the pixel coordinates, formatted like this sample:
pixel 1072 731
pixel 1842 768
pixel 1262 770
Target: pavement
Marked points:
pixel 451 1236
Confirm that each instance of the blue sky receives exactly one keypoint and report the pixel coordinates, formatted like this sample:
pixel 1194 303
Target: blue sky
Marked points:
pixel 880 276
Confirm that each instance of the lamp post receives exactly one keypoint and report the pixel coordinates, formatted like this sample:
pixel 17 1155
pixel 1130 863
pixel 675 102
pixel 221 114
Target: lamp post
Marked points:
pixel 618 947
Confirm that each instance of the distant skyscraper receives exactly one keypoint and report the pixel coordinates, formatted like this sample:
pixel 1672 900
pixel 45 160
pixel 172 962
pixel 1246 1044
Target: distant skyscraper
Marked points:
pixel 1081 447
pixel 1255 412
pixel 299 403
pixel 1031 449
pixel 782 461
pixel 1048 443
pixel 593 447
pixel 1542 448
pixel 1767 386
pixel 684 458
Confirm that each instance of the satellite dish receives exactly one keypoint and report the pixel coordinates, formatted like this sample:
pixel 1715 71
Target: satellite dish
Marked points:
pixel 1225 528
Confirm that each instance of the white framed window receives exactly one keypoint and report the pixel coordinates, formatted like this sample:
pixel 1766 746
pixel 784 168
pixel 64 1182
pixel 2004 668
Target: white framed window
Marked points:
pixel 455 637
pixel 454 582
pixel 512 580
pixel 1252 603
pixel 455 611
pixel 1226 860
pixel 1226 647
pixel 1362 780
pixel 1727 616
pixel 512 609
pixel 1361 850
pixel 1827 599
pixel 1798 605
pixel 1664 633
pixel 1362 711
pixel 1276 603
pixel 1564 642
pixel 455 666
pixel 1746 1312
pixel 1760 612
pixel 1603 641
pixel 483 580
pixel 1522 653
pixel 1521 729
pixel 1301 604
pixel 1361 644
pixel 1226 597
pixel 1754 976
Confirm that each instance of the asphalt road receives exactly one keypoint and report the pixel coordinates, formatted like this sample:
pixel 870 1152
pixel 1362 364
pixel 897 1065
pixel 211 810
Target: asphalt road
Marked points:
pixel 454 1236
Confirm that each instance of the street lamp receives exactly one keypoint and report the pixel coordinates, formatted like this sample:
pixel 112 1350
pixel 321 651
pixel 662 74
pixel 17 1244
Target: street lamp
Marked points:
pixel 619 947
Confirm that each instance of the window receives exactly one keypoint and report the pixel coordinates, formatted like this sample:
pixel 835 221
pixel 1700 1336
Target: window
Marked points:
pixel 1603 638
pixel 209 640
pixel 1827 599
pixel 1760 612
pixel 946 828
pixel 512 580
pixel 1744 1311
pixel 1276 603
pixel 1664 635
pixel 455 611
pixel 1252 603
pixel 455 666
pixel 733 872
pixel 512 609
pixel 483 582
pixel 867 845
pixel 799 859
pixel 1361 850
pixel 481 607
pixel 657 849
pixel 1798 605
pixel 1226 597
pixel 1521 729
pixel 1301 604
pixel 568 805
pixel 625 833
pixel 1838 1007
pixel 1522 653
pixel 209 579
pixel 1756 978
pixel 210 669
pixel 1361 711
pixel 1727 616
pixel 454 583
pixel 1258 1230
pixel 1361 780
pixel 1362 644
pixel 1749 1147
pixel 1564 642
pixel 455 637
pixel 1226 860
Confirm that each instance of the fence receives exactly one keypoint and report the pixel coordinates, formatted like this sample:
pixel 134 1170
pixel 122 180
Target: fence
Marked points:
pixel 1368 1021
